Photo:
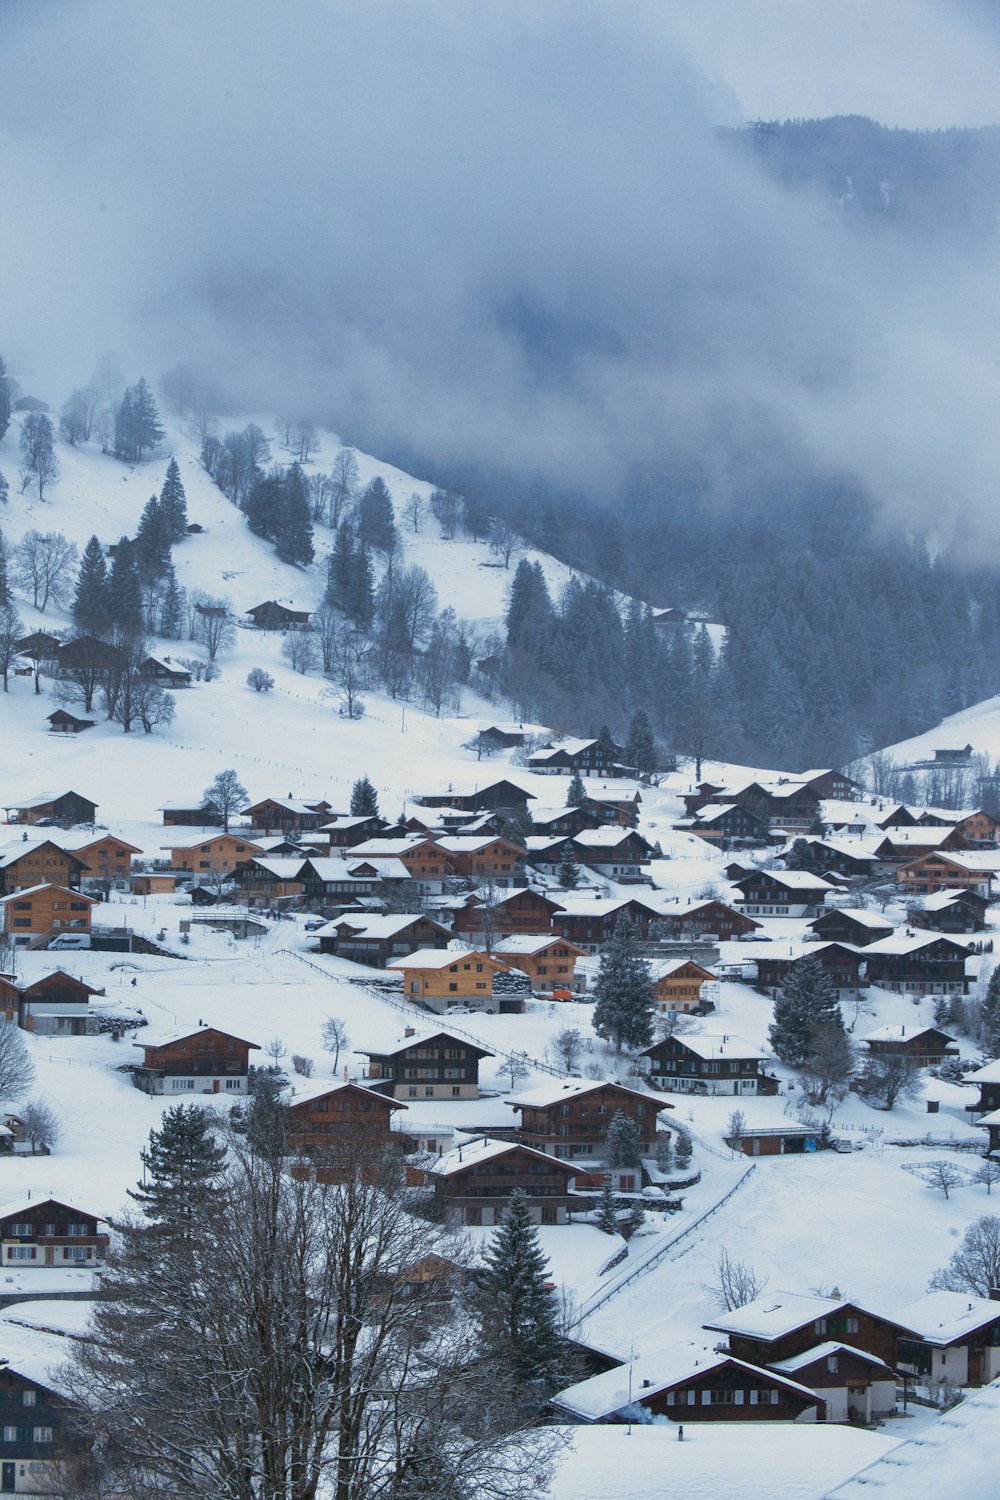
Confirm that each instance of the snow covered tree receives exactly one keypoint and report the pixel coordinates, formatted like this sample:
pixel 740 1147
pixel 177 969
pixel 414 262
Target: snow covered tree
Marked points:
pixel 335 1038
pixel 90 607
pixel 683 1148
pixel 364 799
pixel 125 589
pixel 806 1001
pixel 350 583
pixel 989 1016
pixel 11 631
pixel 569 873
pixel 172 605
pixel 173 503
pixel 640 747
pixel 607 1208
pixel 137 423
pixel 152 543
pixel 181 1167
pixel 518 1315
pixel 975 1266
pixel 576 792
pixel 830 1062
pixel 889 1077
pixel 39 465
pixel 622 1149
pixel 293 533
pixel 259 680
pixel 376 518
pixel 17 1071
pixel 623 991
pixel 228 794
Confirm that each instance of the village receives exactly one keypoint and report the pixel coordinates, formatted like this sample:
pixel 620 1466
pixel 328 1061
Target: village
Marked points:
pixel 448 966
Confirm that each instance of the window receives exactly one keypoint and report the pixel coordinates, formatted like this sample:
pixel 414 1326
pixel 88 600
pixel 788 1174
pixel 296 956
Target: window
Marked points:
pixel 453 987
pixel 21 1252
pixel 28 1398
pixel 10 1434
pixel 43 1434
pixel 76 1252
pixel 851 1325
pixel 234 1083
pixel 178 1084
pixel 21 1228
pixel 831 1364
pixel 76 1230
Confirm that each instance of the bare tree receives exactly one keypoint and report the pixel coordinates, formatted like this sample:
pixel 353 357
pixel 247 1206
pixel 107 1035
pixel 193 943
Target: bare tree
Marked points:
pixel 153 706
pixel 830 1064
pixel 214 625
pixel 735 1128
pixel 975 1265
pixel 11 631
pixel 305 440
pixel 504 542
pixel 736 1283
pixel 988 1174
pixel 327 630
pixel 569 1044
pixel 41 1124
pixel 39 465
pixel 515 1068
pixel 259 680
pixel 301 650
pixel 17 1071
pixel 890 1076
pixel 335 1038
pixel 414 508
pixel 228 794
pixel 943 1176
pixel 349 671
pixel 79 414
pixel 343 486
pixel 414 596
pixel 44 562
pixel 275 1049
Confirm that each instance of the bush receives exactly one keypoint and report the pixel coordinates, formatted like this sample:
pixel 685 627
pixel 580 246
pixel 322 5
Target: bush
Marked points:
pixel 259 680
pixel 302 1065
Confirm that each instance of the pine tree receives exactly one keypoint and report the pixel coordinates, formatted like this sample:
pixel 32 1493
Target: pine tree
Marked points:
pixel 569 873
pixel 576 792
pixel 152 543
pixel 91 606
pixel 364 799
pixel 5 401
pixel 293 533
pixel 4 568
pixel 683 1148
pixel 607 1208
pixel 125 427
pixel 181 1167
pixel 376 517
pixel 172 608
pixel 622 1149
pixel 624 992
pixel 518 1320
pixel 124 590
pixel 148 431
pixel 989 1016
pixel 807 1000
pixel 640 747
pixel 173 503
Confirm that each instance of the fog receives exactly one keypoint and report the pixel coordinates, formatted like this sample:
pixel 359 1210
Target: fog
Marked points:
pixel 497 234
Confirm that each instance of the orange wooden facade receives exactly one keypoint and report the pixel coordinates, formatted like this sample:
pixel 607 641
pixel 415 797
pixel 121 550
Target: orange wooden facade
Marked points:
pixel 48 908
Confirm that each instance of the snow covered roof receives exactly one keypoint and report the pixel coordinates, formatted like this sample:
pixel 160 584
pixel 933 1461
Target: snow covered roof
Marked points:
pixel 706 1046
pixel 11 853
pixel 874 920
pixel 903 1033
pixel 33 890
pixel 899 943
pixel 948 1317
pixel 38 1356
pixel 467 843
pixel 601 906
pixel 666 967
pixel 44 798
pixel 826 1350
pixel 418 1038
pixel 710 811
pixel 988 1074
pixel 194 840
pixel 942 900
pixel 559 1089
pixel 776 1313
pixel 465 1156
pixel 604 838
pixel 603 1395
pixel 794 880
pixel 387 848
pixel 569 746
pixel 281 866
pixel 621 791
pixel 529 943
pixel 22 1205
pixel 924 836
pixel 376 926
pixel 440 958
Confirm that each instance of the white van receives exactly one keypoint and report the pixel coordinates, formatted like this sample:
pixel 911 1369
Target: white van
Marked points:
pixel 70 940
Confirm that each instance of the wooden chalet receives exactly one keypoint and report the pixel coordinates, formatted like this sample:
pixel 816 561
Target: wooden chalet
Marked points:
pixel 706 920
pixel 545 853
pixel 679 986
pixel 779 1325
pixel 332 1123
pixel 987 1080
pixel 684 1386
pixel 473 1183
pixel 376 940
pixel 906 844
pixel 727 825
pixel 841 962
pixel 105 856
pixel 207 1061
pixel 284 815
pixel 851 858
pixel 616 853
pixel 851 924
pixel 783 893
pixel 272 615
pixel 721 1064
pixel 583 757
pixel 951 1336
pixel 979 829
pixel 440 979
pixel 31 862
pixel 88 659
pixel 337 880
pixel 519 910
pixel 591 921
pixel 204 814
pixel 41 1429
pixel 270 879
pixel 921 965
pixel 164 673
pixel 618 803
pixel 856 1387
pixel 39 646
pixel 63 722
pixel 212 853
pixel 63 809
pixel 348 832
pixel 45 910
pixel 950 911
pixel 43 1232
pixel 548 959
pixel 499 737
pixel 947 871
pixel 495 795
pixel 435 1065
pixel 830 785
pixel 925 1046
pixel 569 1118
pixel 56 1005
pixel 563 822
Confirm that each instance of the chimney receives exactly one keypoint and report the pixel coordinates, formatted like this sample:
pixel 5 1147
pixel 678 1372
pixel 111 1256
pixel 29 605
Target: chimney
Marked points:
pixel 410 1031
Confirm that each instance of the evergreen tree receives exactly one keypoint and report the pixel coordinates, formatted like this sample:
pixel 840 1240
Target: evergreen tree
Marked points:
pixel 152 543
pixel 806 1001
pixel 350 585
pixel 181 1167
pixel 148 431
pixel 124 590
pixel 640 747
pixel 125 427
pixel 624 992
pixel 569 873
pixel 683 1148
pixel 4 570
pixel 576 792
pixel 172 608
pixel 376 517
pixel 518 1320
pixel 622 1149
pixel 173 503
pixel 989 1016
pixel 91 605
pixel 364 799
pixel 607 1208
pixel 293 532
pixel 263 506
pixel 5 401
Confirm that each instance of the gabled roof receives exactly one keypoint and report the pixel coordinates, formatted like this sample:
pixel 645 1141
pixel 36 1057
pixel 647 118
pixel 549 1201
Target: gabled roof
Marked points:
pixel 463 1157
pixel 45 798
pixel 35 890
pixel 898 945
pixel 171 1038
pixel 22 1205
pixel 709 1047
pixel 775 1314
pixel 826 1351
pixel 442 958
pixel 876 921
pixel 380 927
pixel 527 944
pixel 793 880
pixel 904 1033
pixel 11 853
pixel 560 1089
pixel 421 1039
pixel 309 1093
pixel 942 1318
pixel 195 840
pixel 664 969
pixel 942 900
pixel 602 1395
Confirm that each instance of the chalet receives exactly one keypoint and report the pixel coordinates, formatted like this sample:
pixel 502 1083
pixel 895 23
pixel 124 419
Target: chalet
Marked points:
pixel 776 1140
pixel 855 1386
pixel 207 1061
pixel 435 1065
pixel 426 862
pixel 88 660
pixel 63 722
pixel 829 785
pixel 272 615
pixel 779 1325
pixel 951 1336
pixel 39 646
pixel 591 921
pixel 689 1384
pixel 618 803
pixel 495 795
pixel 204 814
pixel 325 1124
pixel 991 1123
pixel 473 1183
pixel 153 885
pixel 563 822
pixel 919 965
pixel 679 986
pixel 727 825
pixel 283 815
pixel 908 844
pixel 545 853
pixel 584 757
pixel 520 910
pixel 987 1080
pixel 569 1118
pixel 704 792
pixel 953 757
pixel 950 911
pixel 782 893
pixel 164 673
pixel 271 879
pixel 979 829
pixel 38 1432
pixel 841 962
pixel 706 919
pixel 925 1046
pixel 63 809
pixel 615 853
pixel 851 924
pixel 376 940
pixel 499 737
pixel 337 880
pixel 548 959
pixel 853 858
pixel 441 979
pixel 786 803
pixel 56 1005
pixel 212 853
pixel 348 832
pixel 707 1065
pixel 946 871
pixel 474 857
pixel 46 1232
pixel 45 910
pixel 41 861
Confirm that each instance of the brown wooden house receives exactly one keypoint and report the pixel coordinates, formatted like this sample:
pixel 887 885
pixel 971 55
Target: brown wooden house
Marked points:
pixel 271 615
pixel 47 1232
pixel 207 1061
pixel 63 722
pixel 951 911
pixel 213 853
pixel 719 1064
pixel 46 909
pixel 436 1065
pixel 377 940
pixel 585 757
pixel 185 815
pixel 783 893
pixel 57 1004
pixel 548 959
pixel 686 1386
pixel 569 1118
pixel 924 964
pixel 443 978
pixel 520 910
pixel 591 922
pixel 705 919
pixel 925 1046
pixel 841 962
pixel 285 814
pixel 943 871
pixel 328 1126
pixel 473 1183
pixel 24 864
pixel 679 984
pixel 494 795
pixel 63 809
pixel 851 924
pixel 779 1325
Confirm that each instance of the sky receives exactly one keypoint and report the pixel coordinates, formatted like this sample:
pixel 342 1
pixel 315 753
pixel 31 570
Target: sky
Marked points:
pixel 502 234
